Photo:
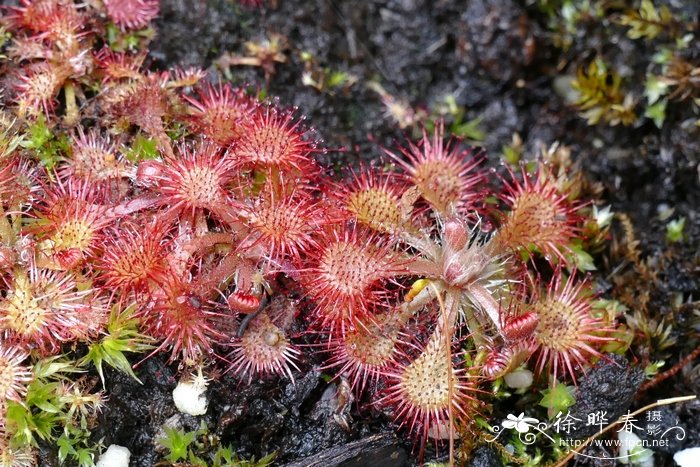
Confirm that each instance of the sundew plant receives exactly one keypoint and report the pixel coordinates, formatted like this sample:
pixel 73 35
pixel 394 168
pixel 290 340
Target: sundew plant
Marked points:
pixel 146 212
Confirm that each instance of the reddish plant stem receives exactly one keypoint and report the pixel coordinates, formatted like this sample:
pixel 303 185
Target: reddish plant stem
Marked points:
pixel 211 280
pixel 132 206
pixel 207 241
pixel 671 371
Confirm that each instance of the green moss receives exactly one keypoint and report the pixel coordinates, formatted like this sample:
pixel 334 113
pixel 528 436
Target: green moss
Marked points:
pixel 601 98
pixel 647 21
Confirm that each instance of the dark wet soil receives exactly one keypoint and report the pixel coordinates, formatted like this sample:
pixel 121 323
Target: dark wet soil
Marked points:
pixel 497 60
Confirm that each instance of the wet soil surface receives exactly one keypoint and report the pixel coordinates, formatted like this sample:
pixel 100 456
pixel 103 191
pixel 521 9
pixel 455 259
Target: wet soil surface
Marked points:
pixel 495 57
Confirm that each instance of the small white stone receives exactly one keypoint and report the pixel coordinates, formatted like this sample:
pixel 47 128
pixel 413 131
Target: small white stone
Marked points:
pixel 519 379
pixel 562 87
pixel 688 457
pixel 114 456
pixel 632 450
pixel 189 398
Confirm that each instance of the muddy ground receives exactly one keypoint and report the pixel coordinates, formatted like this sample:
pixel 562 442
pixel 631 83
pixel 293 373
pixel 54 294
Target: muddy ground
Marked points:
pixel 497 58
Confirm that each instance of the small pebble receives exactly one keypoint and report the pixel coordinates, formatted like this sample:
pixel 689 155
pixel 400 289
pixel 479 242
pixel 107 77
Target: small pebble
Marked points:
pixel 114 456
pixel 519 379
pixel 189 398
pixel 688 457
pixel 632 452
